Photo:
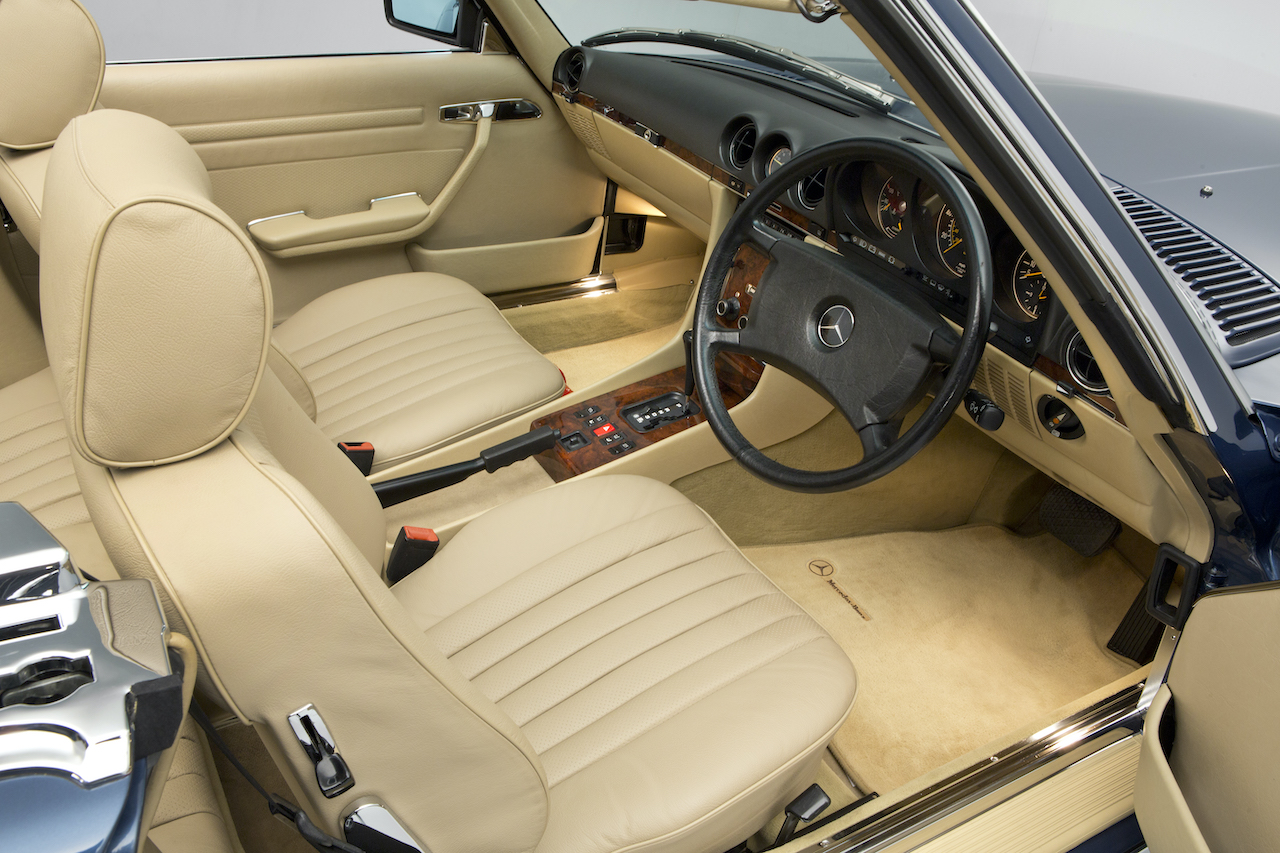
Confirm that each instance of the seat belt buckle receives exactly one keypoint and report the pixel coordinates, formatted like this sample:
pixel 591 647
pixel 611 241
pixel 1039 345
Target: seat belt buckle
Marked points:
pixel 412 548
pixel 360 453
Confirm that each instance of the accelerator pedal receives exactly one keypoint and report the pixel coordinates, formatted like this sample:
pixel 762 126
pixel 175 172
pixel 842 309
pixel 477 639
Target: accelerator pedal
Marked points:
pixel 1078 521
pixel 1139 633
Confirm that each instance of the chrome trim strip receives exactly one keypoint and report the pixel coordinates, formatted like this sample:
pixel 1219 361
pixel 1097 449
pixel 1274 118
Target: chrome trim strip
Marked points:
pixel 388 197
pixel 253 222
pixel 595 285
pixel 1001 777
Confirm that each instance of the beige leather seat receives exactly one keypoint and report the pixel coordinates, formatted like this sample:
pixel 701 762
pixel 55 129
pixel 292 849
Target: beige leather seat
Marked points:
pixel 591 668
pixel 408 362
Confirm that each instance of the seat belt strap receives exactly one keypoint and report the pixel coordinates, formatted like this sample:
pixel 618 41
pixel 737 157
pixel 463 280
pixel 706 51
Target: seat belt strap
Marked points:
pixel 279 806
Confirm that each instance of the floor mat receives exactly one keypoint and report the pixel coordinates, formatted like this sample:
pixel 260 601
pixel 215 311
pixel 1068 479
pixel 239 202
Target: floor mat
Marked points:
pixel 958 635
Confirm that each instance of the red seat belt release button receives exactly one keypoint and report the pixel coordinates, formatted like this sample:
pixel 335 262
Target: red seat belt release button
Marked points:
pixel 360 453
pixel 412 548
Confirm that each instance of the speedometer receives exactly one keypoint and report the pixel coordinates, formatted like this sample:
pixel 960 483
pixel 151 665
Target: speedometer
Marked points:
pixel 1030 290
pixel 950 241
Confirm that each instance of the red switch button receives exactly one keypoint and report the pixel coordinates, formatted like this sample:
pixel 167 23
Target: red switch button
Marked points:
pixel 604 429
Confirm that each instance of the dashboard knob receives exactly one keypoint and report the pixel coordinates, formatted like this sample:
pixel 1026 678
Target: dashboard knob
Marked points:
pixel 728 308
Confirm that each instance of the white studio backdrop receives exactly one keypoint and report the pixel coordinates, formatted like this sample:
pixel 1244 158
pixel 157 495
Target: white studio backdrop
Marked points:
pixel 1220 51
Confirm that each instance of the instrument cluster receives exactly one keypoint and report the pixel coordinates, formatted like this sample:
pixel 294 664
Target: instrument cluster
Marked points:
pixel 902 220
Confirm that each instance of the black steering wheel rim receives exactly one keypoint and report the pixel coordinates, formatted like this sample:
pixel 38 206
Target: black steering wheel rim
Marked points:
pixel 710 337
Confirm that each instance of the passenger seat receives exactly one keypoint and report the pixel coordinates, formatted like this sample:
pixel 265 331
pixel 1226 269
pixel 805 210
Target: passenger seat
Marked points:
pixel 408 362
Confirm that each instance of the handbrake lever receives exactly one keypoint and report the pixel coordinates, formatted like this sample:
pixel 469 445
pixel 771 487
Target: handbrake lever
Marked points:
pixel 401 489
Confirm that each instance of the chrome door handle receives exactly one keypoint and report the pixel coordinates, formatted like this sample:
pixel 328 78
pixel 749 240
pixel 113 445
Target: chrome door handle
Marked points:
pixel 509 109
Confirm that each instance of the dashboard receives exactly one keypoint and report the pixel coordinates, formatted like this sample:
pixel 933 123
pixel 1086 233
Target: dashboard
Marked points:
pixel 739 130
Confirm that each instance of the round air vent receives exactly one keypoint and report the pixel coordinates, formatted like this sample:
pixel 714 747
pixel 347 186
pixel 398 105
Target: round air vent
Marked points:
pixel 1083 367
pixel 742 145
pixel 573 70
pixel 813 189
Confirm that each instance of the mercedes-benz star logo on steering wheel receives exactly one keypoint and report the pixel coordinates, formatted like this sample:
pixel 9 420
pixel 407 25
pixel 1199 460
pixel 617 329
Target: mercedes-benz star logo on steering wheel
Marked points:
pixel 835 326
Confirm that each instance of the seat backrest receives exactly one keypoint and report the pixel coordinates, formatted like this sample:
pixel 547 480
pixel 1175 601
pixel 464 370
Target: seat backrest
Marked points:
pixel 51 67
pixel 202 473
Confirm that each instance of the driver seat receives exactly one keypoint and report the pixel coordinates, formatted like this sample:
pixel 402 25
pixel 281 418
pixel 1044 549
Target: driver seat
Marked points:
pixel 591 668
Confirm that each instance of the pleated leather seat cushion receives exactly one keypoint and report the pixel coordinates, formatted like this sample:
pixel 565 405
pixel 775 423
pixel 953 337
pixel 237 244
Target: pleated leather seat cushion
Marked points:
pixel 412 362
pixel 672 692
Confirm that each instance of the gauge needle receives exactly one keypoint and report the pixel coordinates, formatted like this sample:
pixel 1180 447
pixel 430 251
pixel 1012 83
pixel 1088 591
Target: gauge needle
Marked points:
pixel 955 243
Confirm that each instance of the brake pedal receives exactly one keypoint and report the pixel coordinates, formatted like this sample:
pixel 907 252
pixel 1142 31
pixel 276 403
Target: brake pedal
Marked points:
pixel 1078 521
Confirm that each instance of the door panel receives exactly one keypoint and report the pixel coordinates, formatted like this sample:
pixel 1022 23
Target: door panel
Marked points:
pixel 1209 771
pixel 326 135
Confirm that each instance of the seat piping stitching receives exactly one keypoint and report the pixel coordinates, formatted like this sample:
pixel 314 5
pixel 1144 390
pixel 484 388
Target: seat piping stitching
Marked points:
pixel 526 643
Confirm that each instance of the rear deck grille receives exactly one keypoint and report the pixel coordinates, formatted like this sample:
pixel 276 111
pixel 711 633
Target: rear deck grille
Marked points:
pixel 1240 300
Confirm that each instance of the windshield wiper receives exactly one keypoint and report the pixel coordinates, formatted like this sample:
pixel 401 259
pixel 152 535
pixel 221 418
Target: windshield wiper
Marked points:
pixel 774 58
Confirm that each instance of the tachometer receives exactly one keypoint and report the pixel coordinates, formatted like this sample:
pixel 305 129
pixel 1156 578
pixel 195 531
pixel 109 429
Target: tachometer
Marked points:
pixel 950 241
pixel 891 209
pixel 1030 291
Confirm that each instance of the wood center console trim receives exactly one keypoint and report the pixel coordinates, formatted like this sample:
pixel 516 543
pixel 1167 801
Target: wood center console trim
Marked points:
pixel 738 376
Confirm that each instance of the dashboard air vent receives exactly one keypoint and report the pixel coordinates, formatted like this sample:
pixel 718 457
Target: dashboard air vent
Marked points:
pixel 1083 367
pixel 813 189
pixel 573 70
pixel 1240 300
pixel 742 145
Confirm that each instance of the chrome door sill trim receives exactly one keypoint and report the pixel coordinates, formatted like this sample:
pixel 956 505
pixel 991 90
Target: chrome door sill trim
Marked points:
pixel 593 285
pixel 1005 774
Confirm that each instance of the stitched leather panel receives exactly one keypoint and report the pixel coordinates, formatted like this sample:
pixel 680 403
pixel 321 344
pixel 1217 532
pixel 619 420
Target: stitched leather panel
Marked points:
pixel 639 611
pixel 35 455
pixel 411 362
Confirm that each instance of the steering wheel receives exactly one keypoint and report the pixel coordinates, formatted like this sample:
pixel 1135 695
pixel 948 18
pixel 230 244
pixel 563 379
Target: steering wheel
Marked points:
pixel 850 326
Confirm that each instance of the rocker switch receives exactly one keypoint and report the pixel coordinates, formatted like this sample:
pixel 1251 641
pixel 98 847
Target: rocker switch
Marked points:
pixel 332 774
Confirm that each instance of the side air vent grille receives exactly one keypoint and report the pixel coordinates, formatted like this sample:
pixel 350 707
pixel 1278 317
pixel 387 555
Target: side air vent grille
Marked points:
pixel 574 67
pixel 1009 391
pixel 813 189
pixel 1242 302
pixel 742 145
pixel 1083 367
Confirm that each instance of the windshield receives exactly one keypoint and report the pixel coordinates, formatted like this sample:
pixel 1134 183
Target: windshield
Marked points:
pixel 830 43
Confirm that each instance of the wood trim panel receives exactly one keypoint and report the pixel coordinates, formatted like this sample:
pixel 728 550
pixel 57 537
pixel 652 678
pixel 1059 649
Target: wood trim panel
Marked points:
pixel 738 377
pixel 1058 373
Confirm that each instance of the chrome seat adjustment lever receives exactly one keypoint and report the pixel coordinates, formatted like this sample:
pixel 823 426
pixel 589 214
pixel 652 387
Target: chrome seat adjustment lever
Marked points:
pixel 332 774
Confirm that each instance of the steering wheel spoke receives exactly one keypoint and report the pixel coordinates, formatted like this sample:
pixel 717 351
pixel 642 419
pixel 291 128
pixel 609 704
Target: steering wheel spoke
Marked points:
pixel 854 328
pixel 878 438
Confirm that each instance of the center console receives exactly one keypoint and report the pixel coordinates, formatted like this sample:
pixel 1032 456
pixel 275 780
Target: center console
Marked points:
pixel 597 431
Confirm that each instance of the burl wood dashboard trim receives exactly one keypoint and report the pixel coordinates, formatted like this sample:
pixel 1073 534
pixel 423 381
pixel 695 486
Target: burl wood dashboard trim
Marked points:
pixel 738 376
pixel 1061 375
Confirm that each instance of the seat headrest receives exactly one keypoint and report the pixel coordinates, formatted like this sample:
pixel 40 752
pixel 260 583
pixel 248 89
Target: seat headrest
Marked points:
pixel 51 65
pixel 157 308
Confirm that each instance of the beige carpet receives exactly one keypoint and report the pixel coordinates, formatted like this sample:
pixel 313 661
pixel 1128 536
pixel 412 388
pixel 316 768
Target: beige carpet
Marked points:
pixel 937 489
pixel 958 636
pixel 587 364
pixel 553 326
